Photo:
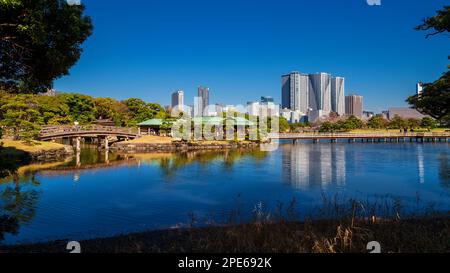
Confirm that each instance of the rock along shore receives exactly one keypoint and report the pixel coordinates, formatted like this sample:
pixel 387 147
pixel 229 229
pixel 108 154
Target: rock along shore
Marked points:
pixel 179 146
pixel 52 154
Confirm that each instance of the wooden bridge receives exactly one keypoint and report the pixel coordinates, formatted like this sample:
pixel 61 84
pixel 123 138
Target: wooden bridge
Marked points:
pixel 365 137
pixel 86 131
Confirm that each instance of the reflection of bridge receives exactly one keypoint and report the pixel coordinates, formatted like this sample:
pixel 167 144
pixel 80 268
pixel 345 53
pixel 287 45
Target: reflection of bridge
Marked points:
pixel 366 137
pixel 91 131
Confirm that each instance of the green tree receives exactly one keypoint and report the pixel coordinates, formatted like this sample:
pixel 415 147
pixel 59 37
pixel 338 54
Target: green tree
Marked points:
pixel 81 107
pixel 413 123
pixel 40 40
pixel 283 125
pixel 377 122
pixel 398 123
pixel 54 110
pixel 20 116
pixel 428 122
pixel 435 99
pixel 108 108
pixel 141 111
pixel 352 123
pixel 438 24
pixel 328 127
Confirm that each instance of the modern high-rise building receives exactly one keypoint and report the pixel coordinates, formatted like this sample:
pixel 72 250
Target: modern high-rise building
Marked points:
pixel 338 95
pixel 203 94
pixel 295 92
pixel 178 100
pixel 354 106
pixel 320 92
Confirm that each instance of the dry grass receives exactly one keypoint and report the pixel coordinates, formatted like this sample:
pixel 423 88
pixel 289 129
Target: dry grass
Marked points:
pixel 395 236
pixel 151 139
pixel 31 147
pixel 354 225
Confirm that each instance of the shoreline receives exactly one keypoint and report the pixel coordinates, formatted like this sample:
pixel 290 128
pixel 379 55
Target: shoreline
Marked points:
pixel 36 150
pixel 176 146
pixel 422 234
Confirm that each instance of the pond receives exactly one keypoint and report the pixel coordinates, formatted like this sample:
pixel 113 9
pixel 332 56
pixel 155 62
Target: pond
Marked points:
pixel 97 195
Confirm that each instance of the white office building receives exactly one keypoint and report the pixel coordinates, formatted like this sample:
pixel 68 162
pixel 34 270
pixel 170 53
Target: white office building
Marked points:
pixel 338 95
pixel 178 100
pixel 320 92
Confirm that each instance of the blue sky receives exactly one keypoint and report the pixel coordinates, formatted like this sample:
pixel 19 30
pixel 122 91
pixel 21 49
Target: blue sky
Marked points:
pixel 240 48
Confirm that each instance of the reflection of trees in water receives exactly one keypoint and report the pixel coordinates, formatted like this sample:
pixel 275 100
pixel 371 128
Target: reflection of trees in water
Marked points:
pixel 18 201
pixel 17 206
pixel 171 165
pixel 444 170
pixel 10 161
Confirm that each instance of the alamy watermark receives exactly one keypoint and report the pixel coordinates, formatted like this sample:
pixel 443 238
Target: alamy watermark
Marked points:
pixel 235 123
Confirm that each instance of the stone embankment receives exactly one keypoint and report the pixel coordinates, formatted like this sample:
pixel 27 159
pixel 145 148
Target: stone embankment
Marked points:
pixel 179 146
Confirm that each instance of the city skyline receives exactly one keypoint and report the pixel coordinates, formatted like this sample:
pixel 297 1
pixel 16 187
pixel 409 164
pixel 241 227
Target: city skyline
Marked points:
pixel 156 55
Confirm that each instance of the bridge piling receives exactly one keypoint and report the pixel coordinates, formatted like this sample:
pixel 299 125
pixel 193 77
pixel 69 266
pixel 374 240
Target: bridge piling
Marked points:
pixel 78 144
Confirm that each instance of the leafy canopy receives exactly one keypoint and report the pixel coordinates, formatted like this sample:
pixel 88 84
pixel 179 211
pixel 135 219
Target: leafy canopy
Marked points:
pixel 40 40
pixel 435 99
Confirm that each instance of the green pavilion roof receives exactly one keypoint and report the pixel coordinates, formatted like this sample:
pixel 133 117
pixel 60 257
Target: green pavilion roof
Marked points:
pixel 152 122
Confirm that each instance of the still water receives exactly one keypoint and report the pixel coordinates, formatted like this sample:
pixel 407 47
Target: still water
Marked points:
pixel 98 194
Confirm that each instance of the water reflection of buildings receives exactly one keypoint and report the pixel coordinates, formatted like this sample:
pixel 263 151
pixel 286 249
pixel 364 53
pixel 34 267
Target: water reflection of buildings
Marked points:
pixel 421 165
pixel 306 165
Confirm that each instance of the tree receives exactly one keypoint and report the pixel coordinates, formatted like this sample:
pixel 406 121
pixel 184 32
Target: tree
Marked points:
pixel 352 123
pixel 398 123
pixel 283 125
pixel 435 99
pixel 377 122
pixel 439 23
pixel 327 127
pixel 428 122
pixel 141 111
pixel 40 40
pixel 53 110
pixel 20 115
pixel 108 108
pixel 81 107
pixel 413 123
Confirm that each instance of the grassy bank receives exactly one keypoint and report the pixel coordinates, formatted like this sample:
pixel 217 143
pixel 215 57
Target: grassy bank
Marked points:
pixel 31 147
pixel 427 234
pixel 14 154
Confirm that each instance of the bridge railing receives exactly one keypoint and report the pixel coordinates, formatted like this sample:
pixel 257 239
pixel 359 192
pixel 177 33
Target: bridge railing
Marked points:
pixel 54 130
pixel 359 135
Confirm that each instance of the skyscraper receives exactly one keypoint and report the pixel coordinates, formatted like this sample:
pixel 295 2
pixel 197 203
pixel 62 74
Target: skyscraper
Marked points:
pixel 320 92
pixel 295 92
pixel 338 95
pixel 178 100
pixel 203 94
pixel 354 106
